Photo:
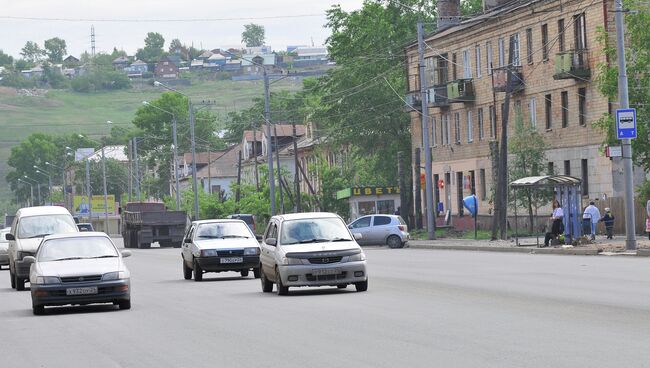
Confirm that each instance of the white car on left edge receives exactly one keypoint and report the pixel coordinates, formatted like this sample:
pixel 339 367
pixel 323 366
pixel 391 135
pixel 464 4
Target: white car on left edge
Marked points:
pixel 220 246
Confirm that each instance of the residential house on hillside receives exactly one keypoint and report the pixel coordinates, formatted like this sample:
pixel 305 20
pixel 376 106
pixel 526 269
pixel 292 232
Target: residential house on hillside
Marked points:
pixel 165 68
pixel 185 162
pixel 309 56
pixel 120 63
pixel 71 62
pixel 205 55
pixel 256 50
pixel 231 66
pixel 35 72
pixel 217 177
pixel 196 65
pixel 137 69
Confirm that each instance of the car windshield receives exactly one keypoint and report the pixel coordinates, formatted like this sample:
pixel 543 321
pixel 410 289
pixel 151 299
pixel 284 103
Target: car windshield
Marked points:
pixel 76 248
pixel 223 230
pixel 313 231
pixel 39 226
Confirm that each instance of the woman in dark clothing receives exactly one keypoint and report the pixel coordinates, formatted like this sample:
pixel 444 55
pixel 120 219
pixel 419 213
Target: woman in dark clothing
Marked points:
pixel 608 219
pixel 556 226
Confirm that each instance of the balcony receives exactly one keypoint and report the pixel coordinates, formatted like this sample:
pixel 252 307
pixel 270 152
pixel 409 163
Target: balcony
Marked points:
pixel 461 90
pixel 438 96
pixel 572 64
pixel 501 80
pixel 413 101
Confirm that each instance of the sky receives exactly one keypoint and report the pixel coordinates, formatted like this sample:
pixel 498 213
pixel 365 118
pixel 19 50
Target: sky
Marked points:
pixel 133 21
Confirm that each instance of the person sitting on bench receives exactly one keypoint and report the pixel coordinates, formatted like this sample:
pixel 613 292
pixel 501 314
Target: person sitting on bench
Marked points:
pixel 556 226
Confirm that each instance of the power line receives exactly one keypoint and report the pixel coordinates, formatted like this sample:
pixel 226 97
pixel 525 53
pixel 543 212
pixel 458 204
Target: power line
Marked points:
pixel 153 20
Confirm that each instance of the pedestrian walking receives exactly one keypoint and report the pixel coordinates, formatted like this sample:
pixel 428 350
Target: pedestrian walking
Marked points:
pixel 608 219
pixel 593 214
pixel 556 223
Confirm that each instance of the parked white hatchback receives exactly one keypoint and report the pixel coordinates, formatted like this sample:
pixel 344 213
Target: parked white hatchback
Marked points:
pixel 311 249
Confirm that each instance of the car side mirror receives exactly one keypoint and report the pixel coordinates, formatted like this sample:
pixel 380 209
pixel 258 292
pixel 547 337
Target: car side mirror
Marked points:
pixel 258 237
pixel 358 236
pixel 29 259
pixel 349 226
pixel 126 253
pixel 10 236
pixel 187 240
pixel 271 241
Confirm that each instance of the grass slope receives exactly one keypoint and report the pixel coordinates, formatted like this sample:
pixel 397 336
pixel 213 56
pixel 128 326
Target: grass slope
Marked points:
pixel 60 112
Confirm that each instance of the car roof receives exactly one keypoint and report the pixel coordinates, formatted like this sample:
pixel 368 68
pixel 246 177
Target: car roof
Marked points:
pixel 306 215
pixel 84 223
pixel 199 222
pixel 82 234
pixel 42 210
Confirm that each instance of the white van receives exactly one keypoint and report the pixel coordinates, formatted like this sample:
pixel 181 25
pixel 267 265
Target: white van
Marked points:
pixel 29 227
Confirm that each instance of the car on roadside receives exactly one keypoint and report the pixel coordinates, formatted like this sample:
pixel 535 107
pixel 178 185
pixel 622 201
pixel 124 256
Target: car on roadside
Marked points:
pixel 381 229
pixel 4 245
pixel 311 249
pixel 29 227
pixel 78 269
pixel 85 226
pixel 219 246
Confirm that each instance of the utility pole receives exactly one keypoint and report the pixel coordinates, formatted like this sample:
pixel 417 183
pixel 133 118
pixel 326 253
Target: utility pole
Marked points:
pixel 88 192
pixel 138 192
pixel 175 161
pixel 194 181
pixel 257 174
pixel 297 176
pixel 130 169
pixel 209 171
pixel 267 117
pixel 105 191
pixel 630 236
pixel 431 230
pixel 277 158
pixel 418 191
pixel 238 192
pixel 403 208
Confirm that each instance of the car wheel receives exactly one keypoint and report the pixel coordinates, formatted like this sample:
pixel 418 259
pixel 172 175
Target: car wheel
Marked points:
pixel 20 283
pixel 124 304
pixel 256 272
pixel 267 286
pixel 38 310
pixel 187 272
pixel 198 272
pixel 281 289
pixel 244 273
pixel 361 286
pixel 13 279
pixel 394 241
pixel 342 286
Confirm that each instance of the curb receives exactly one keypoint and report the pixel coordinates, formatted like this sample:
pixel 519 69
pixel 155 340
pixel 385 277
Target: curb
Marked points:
pixel 643 252
pixel 559 251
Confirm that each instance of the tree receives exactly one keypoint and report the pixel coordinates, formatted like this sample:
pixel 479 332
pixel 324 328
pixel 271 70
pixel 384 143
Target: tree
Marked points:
pixel 5 59
pixel 55 49
pixel 34 150
pixel 32 52
pixel 253 35
pixel 471 7
pixel 153 49
pixel 527 148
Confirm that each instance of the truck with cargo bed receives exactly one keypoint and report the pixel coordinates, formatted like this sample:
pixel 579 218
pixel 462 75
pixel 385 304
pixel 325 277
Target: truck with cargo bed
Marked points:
pixel 144 223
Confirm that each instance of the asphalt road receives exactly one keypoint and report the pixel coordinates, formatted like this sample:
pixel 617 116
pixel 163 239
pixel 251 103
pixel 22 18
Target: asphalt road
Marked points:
pixel 423 309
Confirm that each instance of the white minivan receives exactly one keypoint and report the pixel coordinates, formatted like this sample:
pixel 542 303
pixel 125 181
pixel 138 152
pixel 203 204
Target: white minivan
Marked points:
pixel 29 227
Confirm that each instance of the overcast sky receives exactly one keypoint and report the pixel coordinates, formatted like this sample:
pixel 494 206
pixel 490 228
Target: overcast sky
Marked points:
pixel 129 35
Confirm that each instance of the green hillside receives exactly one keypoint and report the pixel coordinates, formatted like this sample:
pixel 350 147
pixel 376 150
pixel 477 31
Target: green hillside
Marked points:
pixel 58 112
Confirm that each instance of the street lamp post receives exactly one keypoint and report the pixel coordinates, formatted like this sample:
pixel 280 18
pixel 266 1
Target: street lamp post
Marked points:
pixel 31 191
pixel 38 187
pixel 65 202
pixel 194 179
pixel 103 179
pixel 175 161
pixel 49 180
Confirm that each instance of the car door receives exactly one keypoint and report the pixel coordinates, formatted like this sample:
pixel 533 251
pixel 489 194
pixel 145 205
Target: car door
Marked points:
pixel 362 226
pixel 380 229
pixel 267 252
pixel 187 247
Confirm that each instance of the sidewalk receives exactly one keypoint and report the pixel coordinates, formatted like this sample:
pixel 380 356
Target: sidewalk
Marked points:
pixel 601 246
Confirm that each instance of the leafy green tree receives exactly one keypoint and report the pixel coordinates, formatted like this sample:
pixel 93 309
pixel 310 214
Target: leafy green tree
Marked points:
pixel 117 178
pixel 32 52
pixel 100 79
pixel 471 7
pixel 527 148
pixel 5 59
pixel 55 49
pixel 253 35
pixel 153 49
pixel 117 53
pixel 53 78
pixel 22 64
pixel 34 150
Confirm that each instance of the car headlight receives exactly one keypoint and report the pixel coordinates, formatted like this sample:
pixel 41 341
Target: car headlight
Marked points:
pixel 251 251
pixel 291 261
pixel 208 252
pixel 47 280
pixel 117 275
pixel 357 257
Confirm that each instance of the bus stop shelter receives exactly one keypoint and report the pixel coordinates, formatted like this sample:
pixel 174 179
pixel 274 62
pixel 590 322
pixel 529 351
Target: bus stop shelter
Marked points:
pixel 567 190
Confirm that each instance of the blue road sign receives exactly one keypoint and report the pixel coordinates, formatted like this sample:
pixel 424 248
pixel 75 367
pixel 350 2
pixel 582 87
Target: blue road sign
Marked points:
pixel 626 123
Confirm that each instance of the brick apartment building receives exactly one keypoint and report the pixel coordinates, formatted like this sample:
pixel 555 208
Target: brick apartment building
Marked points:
pixel 556 54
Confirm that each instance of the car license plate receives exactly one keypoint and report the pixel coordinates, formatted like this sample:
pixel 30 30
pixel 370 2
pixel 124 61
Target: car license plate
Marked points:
pixel 325 271
pixel 81 291
pixel 232 260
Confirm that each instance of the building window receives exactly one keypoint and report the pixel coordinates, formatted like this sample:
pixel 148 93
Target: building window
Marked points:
pixel 549 111
pixel 514 41
pixel 457 127
pixel 472 182
pixel 470 127
pixel 502 52
pixel 518 109
pixel 585 177
pixel 544 42
pixel 478 61
pixel 446 134
pixel 565 108
pixel 580 31
pixel 560 35
pixel 429 70
pixel 567 167
pixel 529 45
pixel 433 132
pixel 488 57
pixel 467 65
pixel 454 63
pixel 481 134
pixel 551 169
pixel 582 106
pixel 481 176
pixel 493 122
pixel 532 109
